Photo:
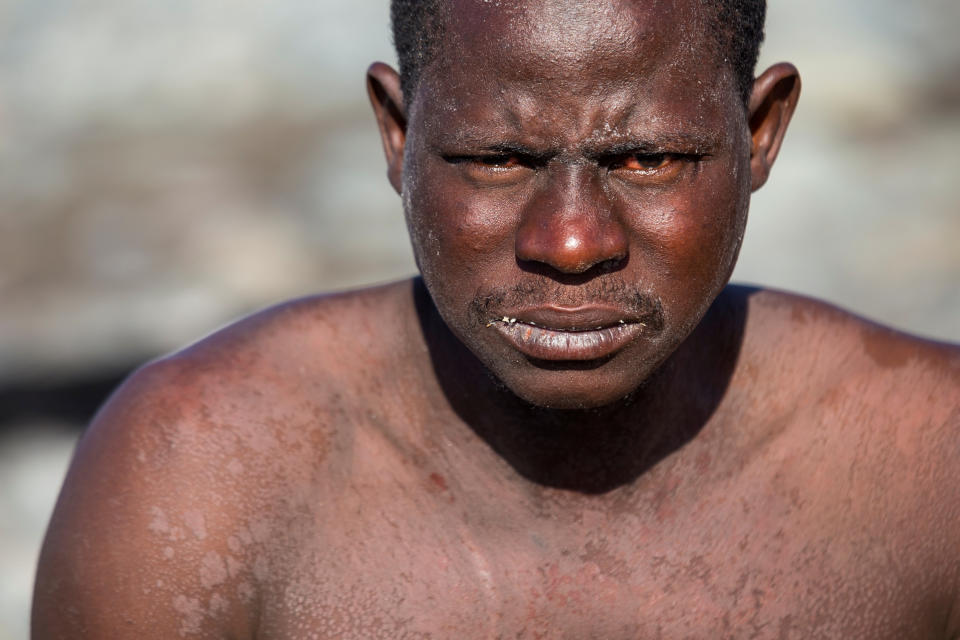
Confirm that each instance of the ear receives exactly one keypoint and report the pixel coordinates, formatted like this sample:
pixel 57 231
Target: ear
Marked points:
pixel 383 87
pixel 774 97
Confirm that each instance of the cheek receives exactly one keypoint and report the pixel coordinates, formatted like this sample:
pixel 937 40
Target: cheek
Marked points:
pixel 705 230
pixel 703 224
pixel 459 229
pixel 688 238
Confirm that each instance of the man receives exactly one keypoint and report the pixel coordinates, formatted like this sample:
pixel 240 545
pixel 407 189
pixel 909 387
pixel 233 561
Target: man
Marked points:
pixel 570 427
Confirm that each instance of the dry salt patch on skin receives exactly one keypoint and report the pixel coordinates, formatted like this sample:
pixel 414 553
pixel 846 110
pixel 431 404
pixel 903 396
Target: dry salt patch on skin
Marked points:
pixel 234 566
pixel 234 544
pixel 159 524
pixel 192 611
pixel 196 523
pixel 213 570
pixel 218 604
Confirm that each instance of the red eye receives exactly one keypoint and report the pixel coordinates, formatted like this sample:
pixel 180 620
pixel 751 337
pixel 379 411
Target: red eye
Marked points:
pixel 646 169
pixel 645 161
pixel 503 161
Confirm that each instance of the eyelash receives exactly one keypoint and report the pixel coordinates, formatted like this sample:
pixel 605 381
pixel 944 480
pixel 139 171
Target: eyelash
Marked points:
pixel 505 169
pixel 495 161
pixel 657 160
pixel 506 161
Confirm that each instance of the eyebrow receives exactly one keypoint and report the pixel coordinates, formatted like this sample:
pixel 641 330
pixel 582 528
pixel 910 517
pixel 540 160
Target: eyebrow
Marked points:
pixel 697 142
pixel 516 148
pixel 677 141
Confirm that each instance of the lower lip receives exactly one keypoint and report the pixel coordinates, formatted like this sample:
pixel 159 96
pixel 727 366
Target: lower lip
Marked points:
pixel 551 344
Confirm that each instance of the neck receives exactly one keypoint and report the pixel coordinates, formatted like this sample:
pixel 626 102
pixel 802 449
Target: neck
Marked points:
pixel 590 450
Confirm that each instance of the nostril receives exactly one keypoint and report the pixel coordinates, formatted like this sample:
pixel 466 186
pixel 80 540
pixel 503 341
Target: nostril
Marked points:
pixel 573 276
pixel 613 264
pixel 587 247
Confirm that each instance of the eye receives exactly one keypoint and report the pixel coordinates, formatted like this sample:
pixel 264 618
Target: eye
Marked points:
pixel 652 168
pixel 488 161
pixel 643 162
pixel 492 168
pixel 500 161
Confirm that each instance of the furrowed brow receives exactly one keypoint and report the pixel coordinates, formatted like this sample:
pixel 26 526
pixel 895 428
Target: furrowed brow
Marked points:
pixel 669 142
pixel 492 143
pixel 495 142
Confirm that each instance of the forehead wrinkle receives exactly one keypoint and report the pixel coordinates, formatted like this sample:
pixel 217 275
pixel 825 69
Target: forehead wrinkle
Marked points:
pixel 519 117
pixel 514 114
pixel 570 48
pixel 599 142
pixel 519 100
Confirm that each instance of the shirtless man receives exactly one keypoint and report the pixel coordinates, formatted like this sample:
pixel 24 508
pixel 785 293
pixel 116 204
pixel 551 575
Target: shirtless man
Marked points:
pixel 570 427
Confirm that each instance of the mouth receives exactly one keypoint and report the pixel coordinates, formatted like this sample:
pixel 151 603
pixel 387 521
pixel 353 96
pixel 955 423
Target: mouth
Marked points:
pixel 568 334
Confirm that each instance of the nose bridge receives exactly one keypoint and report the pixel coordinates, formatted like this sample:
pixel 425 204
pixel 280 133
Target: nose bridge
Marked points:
pixel 570 224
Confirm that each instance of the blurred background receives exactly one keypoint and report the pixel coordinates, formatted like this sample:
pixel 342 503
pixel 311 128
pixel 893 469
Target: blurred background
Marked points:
pixel 168 166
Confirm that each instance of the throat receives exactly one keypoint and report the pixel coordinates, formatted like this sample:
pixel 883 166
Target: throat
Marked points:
pixel 589 451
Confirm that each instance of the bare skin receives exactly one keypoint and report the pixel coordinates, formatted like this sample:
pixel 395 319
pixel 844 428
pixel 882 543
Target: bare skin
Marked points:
pixel 395 463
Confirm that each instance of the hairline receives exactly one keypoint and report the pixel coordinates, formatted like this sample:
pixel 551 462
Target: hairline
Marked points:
pixel 721 30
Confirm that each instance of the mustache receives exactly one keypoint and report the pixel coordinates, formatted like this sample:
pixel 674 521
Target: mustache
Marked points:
pixel 613 292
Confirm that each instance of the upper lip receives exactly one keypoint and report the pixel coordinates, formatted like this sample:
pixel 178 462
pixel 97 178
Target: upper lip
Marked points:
pixel 582 318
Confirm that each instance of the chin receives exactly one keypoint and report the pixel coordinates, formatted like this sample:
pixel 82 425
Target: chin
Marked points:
pixel 574 387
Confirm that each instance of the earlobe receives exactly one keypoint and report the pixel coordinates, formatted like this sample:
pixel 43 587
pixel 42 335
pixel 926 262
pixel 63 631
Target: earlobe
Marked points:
pixel 772 103
pixel 386 98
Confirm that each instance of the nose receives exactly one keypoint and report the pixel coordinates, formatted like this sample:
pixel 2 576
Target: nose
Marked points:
pixel 570 225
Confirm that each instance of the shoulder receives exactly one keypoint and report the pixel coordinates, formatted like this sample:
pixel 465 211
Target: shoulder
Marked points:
pixel 811 342
pixel 863 423
pixel 855 379
pixel 862 416
pixel 809 371
pixel 820 363
pixel 201 470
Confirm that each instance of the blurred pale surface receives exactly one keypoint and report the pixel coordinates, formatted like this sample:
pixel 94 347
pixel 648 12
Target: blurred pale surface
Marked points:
pixel 167 166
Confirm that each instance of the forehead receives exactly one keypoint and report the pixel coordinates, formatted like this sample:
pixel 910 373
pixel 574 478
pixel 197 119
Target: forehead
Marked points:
pixel 578 38
pixel 577 66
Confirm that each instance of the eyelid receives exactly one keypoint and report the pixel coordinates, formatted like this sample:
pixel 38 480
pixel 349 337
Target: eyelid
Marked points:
pixel 486 158
pixel 670 168
pixel 613 161
pixel 490 168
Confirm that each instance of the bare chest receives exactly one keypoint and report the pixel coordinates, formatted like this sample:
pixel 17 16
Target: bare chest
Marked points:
pixel 760 565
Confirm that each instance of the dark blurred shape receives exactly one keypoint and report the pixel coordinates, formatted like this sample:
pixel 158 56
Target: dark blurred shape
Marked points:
pixel 70 401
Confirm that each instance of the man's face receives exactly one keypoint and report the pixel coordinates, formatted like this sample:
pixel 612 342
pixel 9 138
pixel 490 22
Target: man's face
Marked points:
pixel 576 179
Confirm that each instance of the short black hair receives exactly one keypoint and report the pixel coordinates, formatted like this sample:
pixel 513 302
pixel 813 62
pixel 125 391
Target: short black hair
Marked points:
pixel 418 29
